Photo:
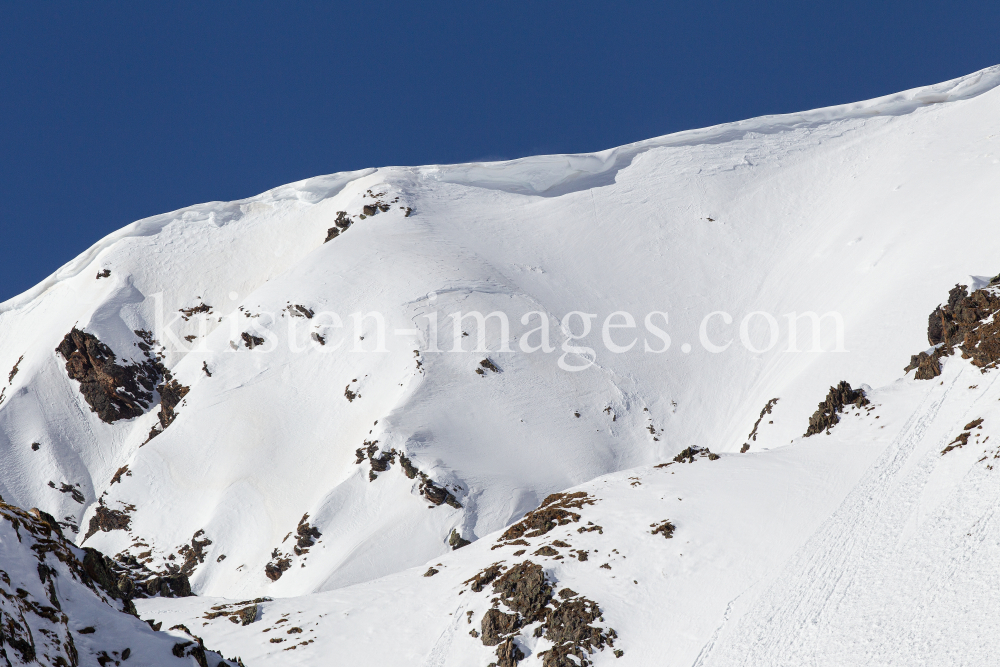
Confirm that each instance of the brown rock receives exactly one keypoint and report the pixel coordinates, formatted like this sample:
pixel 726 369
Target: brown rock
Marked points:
pixel 524 589
pixel 111 390
pixel 508 654
pixel 555 510
pixel 106 520
pixel 966 322
pixel 826 415
pixel 484 578
pixel 496 625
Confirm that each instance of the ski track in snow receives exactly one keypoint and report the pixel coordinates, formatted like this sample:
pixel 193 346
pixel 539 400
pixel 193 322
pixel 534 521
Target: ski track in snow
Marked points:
pixel 831 575
pixel 439 653
pixel 706 651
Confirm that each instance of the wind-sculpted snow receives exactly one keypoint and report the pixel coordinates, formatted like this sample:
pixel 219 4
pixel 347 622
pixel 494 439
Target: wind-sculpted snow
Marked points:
pixel 214 214
pixel 358 373
pixel 556 175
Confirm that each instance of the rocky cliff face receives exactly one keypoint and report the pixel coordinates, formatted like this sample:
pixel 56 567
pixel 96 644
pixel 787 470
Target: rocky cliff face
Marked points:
pixel 966 323
pixel 112 390
pixel 65 606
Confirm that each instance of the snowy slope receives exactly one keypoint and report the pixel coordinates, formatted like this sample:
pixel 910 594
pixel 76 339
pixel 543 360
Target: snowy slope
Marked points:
pixel 865 546
pixel 871 210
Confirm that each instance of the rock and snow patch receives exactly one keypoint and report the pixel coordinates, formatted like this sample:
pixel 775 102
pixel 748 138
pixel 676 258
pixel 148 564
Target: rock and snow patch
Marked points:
pixel 65 606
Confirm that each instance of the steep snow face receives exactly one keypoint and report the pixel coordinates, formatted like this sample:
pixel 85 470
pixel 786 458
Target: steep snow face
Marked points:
pixel 254 483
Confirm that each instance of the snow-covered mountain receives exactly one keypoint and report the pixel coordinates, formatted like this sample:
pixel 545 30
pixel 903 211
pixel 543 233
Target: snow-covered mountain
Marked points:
pixel 291 397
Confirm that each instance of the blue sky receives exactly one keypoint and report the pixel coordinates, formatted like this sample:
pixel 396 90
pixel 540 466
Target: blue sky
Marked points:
pixel 111 112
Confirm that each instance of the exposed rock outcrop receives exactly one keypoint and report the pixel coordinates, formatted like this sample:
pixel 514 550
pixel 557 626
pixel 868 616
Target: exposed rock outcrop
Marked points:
pixel 193 553
pixel 250 340
pixel 278 566
pixel 188 313
pixel 488 365
pixel 570 627
pixel 296 310
pixel 689 454
pixel 768 407
pixel 967 323
pixel 962 439
pixel 456 541
pixel 171 394
pixel 572 623
pixel 381 461
pixel 484 578
pixel 665 528
pixel 127 579
pixel 496 625
pixel 555 510
pixel 112 390
pixel 341 224
pixel 827 414
pixel 51 590
pixel 305 536
pixel 243 613
pixel 437 494
pixel 106 519
pixel 13 371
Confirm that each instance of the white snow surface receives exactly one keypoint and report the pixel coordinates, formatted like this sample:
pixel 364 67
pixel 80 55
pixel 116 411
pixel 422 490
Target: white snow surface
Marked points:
pixel 865 546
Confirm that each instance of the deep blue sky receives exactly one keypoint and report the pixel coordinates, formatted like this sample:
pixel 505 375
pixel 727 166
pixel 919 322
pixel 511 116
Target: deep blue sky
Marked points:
pixel 110 112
